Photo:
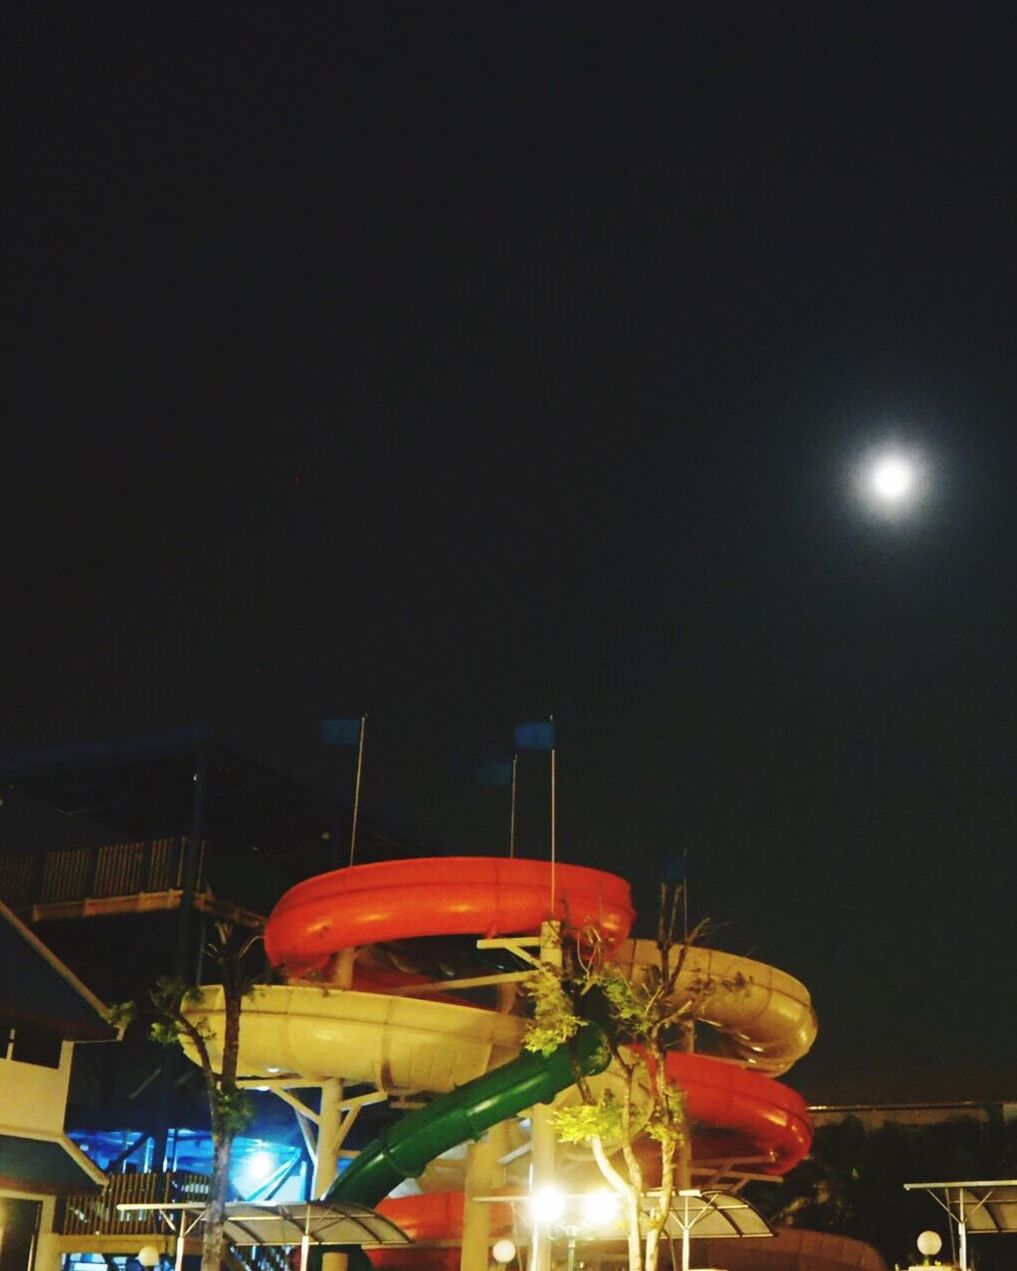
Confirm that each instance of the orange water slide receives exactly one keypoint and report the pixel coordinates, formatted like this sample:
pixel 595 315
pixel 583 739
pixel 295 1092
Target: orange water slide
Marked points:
pixel 439 896
pixel 739 1114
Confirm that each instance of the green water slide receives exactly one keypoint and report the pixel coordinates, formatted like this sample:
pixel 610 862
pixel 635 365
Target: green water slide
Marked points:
pixel 403 1150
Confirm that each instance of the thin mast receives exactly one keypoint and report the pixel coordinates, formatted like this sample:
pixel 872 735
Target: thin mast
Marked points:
pixel 512 808
pixel 554 812
pixel 356 787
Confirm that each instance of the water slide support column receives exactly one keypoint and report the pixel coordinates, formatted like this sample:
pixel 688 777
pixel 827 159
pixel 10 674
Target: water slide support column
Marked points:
pixel 326 1156
pixel 481 1171
pixel 543 1138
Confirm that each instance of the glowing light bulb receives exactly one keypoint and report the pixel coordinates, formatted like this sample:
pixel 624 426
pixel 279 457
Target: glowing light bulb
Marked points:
pixel 600 1209
pixel 547 1204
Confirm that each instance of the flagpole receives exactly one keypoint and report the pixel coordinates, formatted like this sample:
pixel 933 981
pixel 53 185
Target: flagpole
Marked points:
pixel 685 896
pixel 554 811
pixel 512 808
pixel 356 787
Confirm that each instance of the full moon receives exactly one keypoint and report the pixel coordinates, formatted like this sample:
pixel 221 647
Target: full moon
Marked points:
pixel 893 478
pixel 891 482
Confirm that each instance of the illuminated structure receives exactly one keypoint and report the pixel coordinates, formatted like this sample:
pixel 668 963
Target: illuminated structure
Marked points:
pixel 387 984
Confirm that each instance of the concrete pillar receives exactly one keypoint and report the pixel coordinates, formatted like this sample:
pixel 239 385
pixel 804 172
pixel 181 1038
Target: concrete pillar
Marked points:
pixel 481 1177
pixel 542 1174
pixel 47 1254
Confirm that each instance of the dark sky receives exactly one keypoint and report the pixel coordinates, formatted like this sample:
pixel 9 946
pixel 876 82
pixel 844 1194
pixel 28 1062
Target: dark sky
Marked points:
pixel 465 363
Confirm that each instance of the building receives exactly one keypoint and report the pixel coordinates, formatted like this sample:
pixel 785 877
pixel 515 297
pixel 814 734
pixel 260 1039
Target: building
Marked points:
pixel 119 855
pixel 45 1010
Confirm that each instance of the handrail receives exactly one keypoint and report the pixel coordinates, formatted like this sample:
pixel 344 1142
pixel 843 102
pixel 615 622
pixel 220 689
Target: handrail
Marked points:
pixel 87 1215
pixel 93 873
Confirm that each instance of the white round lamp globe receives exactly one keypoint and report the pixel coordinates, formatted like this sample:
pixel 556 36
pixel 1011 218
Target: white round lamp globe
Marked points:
pixel 929 1243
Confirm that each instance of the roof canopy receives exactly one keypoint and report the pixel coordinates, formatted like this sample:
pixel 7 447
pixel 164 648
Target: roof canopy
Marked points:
pixel 719 1215
pixel 985 1208
pixel 46 1166
pixel 335 1224
pixel 143 787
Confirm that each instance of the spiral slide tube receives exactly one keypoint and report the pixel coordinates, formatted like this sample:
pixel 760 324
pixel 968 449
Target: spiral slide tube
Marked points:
pixel 404 1149
pixel 439 896
pixel 469 1056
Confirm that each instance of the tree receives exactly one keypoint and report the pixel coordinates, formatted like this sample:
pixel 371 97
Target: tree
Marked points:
pixel 166 1012
pixel 852 1181
pixel 643 1017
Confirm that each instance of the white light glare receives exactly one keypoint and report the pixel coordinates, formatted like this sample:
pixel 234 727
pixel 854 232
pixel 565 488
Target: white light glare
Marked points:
pixel 503 1251
pixel 600 1209
pixel 890 482
pixel 259 1164
pixel 893 478
pixel 547 1205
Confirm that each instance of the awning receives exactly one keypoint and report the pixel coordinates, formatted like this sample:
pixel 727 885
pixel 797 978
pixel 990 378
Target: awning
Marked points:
pixel 336 1224
pixel 985 1208
pixel 718 1215
pixel 49 1167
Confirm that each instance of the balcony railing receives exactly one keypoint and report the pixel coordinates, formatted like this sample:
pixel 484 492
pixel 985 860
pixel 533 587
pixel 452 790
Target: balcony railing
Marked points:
pixel 98 1215
pixel 117 878
pixel 112 1230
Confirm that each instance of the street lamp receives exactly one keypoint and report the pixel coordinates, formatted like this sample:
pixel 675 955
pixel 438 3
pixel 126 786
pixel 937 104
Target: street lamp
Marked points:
pixel 576 1217
pixel 503 1251
pixel 929 1244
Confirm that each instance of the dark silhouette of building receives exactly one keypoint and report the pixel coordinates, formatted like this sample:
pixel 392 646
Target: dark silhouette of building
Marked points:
pixel 121 853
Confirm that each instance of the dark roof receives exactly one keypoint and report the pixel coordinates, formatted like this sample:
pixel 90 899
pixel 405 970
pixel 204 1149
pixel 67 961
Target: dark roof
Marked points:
pixel 37 988
pixel 143 787
pixel 900 1087
pixel 46 1166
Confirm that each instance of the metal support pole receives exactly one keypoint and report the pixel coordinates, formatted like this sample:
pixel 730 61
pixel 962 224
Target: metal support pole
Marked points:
pixel 962 1232
pixel 326 1156
pixel 543 1138
pixel 191 849
pixel 686 1250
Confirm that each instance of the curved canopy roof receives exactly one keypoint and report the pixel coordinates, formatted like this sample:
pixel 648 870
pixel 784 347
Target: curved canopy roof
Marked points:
pixel 335 1224
pixel 985 1208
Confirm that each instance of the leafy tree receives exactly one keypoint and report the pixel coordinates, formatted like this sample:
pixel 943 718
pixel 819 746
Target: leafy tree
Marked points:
pixel 170 1023
pixel 643 1018
pixel 852 1182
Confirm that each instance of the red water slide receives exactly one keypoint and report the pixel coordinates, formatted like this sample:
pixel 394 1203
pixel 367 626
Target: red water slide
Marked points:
pixel 740 1115
pixel 439 896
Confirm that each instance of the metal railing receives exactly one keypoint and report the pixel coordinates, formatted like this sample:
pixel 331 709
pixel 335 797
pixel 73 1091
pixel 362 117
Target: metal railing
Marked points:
pixel 257 1258
pixel 94 873
pixel 91 1215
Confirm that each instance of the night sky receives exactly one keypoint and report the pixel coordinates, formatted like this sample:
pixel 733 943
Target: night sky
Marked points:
pixel 463 363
